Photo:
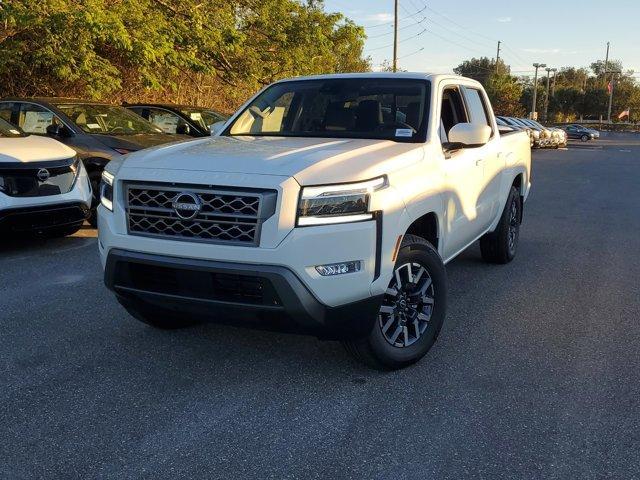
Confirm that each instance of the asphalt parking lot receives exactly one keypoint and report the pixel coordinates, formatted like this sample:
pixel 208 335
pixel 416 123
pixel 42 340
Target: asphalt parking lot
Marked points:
pixel 535 375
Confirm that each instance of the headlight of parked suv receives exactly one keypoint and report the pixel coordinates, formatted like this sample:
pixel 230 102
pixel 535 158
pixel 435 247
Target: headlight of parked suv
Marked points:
pixel 342 203
pixel 106 190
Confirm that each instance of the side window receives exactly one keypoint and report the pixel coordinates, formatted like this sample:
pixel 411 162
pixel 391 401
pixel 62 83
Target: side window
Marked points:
pixel 453 111
pixel 137 111
pixel 5 111
pixel 35 119
pixel 165 120
pixel 477 108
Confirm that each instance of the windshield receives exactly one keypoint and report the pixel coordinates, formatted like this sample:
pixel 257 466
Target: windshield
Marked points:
pixel 107 119
pixel 379 108
pixel 203 118
pixel 9 130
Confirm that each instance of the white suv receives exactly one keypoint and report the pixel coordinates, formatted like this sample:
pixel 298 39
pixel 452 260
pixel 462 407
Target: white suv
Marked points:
pixel 44 188
pixel 327 205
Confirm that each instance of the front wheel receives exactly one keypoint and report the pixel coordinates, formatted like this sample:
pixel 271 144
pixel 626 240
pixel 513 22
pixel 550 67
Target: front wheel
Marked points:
pixel 584 138
pixel 412 311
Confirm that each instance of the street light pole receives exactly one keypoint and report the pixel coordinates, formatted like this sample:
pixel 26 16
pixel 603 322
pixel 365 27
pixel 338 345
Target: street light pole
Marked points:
pixel 532 115
pixel 553 83
pixel 546 98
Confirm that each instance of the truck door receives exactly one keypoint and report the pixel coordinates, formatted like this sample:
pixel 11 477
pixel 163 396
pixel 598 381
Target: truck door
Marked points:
pixel 464 179
pixel 488 155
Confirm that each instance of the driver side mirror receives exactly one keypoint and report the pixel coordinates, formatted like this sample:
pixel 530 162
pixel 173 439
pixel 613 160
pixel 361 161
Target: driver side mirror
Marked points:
pixel 60 131
pixel 183 129
pixel 469 135
pixel 216 128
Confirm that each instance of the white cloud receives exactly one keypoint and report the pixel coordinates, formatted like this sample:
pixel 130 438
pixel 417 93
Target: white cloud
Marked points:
pixel 380 17
pixel 504 19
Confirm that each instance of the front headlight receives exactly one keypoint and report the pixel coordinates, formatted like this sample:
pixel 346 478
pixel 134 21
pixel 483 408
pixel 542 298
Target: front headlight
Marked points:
pixel 536 134
pixel 106 190
pixel 341 203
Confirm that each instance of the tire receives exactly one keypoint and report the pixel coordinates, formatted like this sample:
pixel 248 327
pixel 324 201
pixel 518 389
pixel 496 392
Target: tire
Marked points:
pixel 501 245
pixel 94 177
pixel 413 338
pixel 157 318
pixel 584 138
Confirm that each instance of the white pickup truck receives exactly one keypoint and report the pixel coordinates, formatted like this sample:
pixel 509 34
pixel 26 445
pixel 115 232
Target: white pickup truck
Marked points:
pixel 326 205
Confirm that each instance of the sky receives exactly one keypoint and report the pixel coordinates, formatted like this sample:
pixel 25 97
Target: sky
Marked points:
pixel 437 35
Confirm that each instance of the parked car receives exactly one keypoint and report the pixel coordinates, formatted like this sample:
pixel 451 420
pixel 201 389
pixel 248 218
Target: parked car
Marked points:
pixel 581 133
pixel 44 188
pixel 504 128
pixel 180 119
pixel 97 131
pixel 312 211
pixel 538 140
pixel 547 138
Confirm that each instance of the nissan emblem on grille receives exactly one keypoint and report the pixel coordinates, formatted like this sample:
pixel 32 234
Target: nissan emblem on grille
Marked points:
pixel 187 205
pixel 43 174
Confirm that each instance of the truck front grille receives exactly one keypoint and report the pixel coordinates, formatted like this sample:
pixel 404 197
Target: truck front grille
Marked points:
pixel 198 213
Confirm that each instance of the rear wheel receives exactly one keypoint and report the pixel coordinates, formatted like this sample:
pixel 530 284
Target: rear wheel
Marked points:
pixel 412 311
pixel 500 246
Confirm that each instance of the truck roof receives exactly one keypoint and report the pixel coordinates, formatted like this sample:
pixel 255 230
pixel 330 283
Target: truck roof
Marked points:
pixel 434 77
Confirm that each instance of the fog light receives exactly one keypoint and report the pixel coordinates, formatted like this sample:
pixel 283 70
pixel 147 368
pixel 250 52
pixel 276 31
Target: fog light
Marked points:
pixel 338 268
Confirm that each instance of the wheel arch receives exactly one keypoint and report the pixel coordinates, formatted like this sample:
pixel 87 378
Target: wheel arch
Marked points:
pixel 426 226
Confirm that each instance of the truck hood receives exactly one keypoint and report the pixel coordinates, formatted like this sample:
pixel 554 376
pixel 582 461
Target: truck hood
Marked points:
pixel 32 149
pixel 138 141
pixel 309 160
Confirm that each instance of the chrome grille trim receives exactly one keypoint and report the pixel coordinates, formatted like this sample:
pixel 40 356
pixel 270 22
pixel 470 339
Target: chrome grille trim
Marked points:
pixel 230 216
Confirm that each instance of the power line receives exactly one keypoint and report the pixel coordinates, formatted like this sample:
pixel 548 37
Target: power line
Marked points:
pixel 410 54
pixel 401 41
pixel 492 40
pixel 399 29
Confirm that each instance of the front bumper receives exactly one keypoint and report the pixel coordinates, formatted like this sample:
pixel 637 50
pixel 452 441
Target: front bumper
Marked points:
pixel 258 296
pixel 42 218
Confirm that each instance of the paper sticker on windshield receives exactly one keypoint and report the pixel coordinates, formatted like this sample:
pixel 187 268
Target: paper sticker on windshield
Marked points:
pixel 93 125
pixel 404 132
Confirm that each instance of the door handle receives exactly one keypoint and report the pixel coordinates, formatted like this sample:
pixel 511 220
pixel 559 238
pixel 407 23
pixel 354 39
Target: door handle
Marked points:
pixel 479 162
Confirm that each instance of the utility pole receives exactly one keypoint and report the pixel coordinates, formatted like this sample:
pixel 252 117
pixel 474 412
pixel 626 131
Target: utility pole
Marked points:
pixel 532 115
pixel 606 63
pixel 498 56
pixel 553 83
pixel 395 37
pixel 613 82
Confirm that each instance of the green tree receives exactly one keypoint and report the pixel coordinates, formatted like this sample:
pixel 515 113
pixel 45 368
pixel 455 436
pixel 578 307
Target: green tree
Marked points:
pixel 215 52
pixel 481 69
pixel 505 92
